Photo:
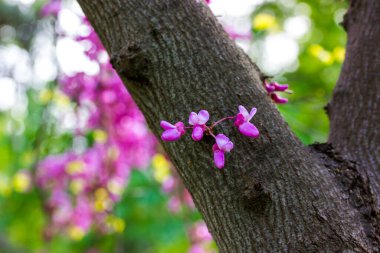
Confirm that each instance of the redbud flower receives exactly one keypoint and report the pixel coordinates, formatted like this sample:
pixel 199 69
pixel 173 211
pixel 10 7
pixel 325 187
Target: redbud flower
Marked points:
pixel 277 99
pixel 272 87
pixel 199 122
pixel 243 124
pixel 223 144
pixel 172 132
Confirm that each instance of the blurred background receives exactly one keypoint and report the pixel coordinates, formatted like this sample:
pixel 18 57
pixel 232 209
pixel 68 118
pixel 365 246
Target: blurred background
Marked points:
pixel 79 169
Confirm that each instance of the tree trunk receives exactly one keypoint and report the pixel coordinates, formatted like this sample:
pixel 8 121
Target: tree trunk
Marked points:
pixel 355 108
pixel 274 195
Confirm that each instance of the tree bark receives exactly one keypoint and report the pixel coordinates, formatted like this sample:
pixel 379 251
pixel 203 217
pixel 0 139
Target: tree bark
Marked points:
pixel 355 107
pixel 274 195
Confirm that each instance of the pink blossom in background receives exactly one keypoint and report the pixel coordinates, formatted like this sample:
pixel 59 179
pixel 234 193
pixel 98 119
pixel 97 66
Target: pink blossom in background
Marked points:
pixel 197 249
pixel 85 186
pixel 200 238
pixel 199 232
pixel 51 8
pixel 174 204
pixel 235 35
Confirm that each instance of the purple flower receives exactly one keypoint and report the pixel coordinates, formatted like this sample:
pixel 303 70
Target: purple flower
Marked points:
pixel 272 88
pixel 172 132
pixel 223 144
pixel 243 124
pixel 199 122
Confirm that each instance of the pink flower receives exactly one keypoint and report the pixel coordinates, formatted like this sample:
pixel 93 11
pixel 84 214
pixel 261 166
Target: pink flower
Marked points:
pixel 51 8
pixel 169 184
pixel 223 144
pixel 272 88
pixel 199 122
pixel 243 124
pixel 172 132
pixel 174 204
pixel 199 232
pixel 196 249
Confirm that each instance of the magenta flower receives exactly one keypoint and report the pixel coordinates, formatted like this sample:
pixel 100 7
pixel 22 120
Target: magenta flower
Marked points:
pixel 223 144
pixel 199 122
pixel 243 124
pixel 172 132
pixel 277 99
pixel 272 88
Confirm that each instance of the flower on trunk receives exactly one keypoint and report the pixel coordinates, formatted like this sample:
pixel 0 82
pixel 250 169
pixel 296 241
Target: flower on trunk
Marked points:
pixel 272 88
pixel 242 122
pixel 172 132
pixel 222 145
pixel 199 122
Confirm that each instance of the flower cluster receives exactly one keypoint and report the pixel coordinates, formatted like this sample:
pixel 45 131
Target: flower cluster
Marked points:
pixel 198 125
pixel 84 184
pixel 274 87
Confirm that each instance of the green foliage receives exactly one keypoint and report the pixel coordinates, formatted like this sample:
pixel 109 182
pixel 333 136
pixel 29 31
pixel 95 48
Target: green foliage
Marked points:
pixel 321 52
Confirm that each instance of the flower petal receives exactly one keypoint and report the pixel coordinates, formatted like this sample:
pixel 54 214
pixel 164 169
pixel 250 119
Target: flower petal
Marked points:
pixel 277 99
pixel 219 159
pixel 203 117
pixel 252 113
pixel 248 129
pixel 280 87
pixel 244 112
pixel 269 87
pixel 171 135
pixel 228 147
pixel 193 119
pixel 197 134
pixel 221 140
pixel 224 143
pixel 180 127
pixel 166 125
pixel 239 119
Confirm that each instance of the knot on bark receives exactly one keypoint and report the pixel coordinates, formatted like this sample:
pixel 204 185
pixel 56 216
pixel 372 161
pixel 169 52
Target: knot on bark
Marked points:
pixel 131 64
pixel 255 197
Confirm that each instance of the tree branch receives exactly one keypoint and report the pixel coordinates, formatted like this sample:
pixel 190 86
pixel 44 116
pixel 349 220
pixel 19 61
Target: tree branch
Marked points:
pixel 354 110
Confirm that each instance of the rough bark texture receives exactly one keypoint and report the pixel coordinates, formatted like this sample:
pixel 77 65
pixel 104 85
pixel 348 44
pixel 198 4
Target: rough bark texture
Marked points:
pixel 274 195
pixel 355 108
